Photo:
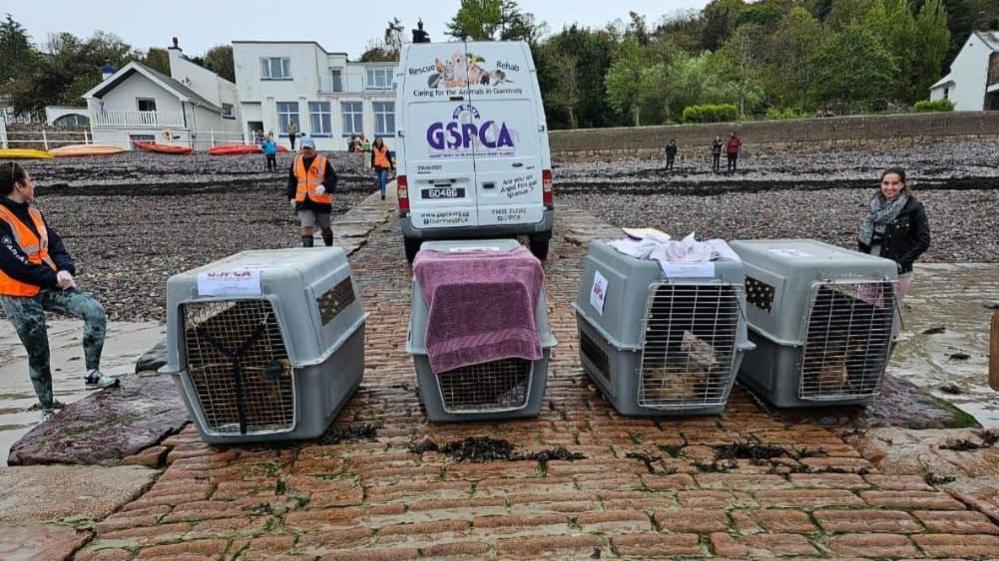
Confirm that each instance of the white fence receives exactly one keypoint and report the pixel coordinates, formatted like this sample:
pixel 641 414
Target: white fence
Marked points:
pixel 137 118
pixel 42 139
pixel 45 138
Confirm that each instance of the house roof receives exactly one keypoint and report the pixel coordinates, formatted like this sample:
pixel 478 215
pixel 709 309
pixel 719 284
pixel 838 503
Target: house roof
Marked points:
pixel 173 86
pixel 990 38
pixel 316 43
pixel 948 79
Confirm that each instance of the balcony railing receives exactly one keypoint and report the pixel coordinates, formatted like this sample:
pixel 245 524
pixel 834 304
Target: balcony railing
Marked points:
pixel 137 118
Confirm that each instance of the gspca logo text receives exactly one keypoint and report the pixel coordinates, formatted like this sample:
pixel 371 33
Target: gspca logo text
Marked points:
pixel 457 135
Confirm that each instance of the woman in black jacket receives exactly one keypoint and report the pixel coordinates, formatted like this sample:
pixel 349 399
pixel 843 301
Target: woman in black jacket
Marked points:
pixel 896 226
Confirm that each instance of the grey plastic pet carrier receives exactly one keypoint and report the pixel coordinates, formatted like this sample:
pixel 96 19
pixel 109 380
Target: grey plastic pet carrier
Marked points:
pixel 266 345
pixel 661 346
pixel 823 319
pixel 503 389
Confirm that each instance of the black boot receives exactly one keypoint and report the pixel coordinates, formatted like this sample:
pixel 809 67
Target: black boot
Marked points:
pixel 328 238
pixel 307 241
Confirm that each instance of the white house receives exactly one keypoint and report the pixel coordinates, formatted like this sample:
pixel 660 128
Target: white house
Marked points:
pixel 973 81
pixel 326 95
pixel 194 106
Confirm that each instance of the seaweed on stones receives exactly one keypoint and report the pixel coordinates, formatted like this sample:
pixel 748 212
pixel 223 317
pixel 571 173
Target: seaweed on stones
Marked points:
pixel 351 433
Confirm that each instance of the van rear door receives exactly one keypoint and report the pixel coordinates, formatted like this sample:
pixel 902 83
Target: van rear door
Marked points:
pixel 509 127
pixel 439 161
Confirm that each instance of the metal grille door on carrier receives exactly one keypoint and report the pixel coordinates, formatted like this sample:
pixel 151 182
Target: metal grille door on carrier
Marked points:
pixel 690 345
pixel 848 340
pixel 496 386
pixel 238 363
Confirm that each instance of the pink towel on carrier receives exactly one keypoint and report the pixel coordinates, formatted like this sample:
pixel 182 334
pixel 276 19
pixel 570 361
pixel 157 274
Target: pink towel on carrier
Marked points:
pixel 481 306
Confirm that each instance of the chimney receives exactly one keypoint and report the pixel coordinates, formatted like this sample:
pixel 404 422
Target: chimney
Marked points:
pixel 107 70
pixel 176 45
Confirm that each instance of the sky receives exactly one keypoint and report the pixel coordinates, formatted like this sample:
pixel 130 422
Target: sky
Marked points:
pixel 337 26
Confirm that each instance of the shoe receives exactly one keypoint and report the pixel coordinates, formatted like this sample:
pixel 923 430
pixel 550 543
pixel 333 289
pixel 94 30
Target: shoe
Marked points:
pixel 96 378
pixel 383 197
pixel 56 405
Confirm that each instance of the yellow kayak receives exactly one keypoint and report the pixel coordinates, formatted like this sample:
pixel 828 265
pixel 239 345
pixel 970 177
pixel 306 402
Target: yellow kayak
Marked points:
pixel 86 150
pixel 24 154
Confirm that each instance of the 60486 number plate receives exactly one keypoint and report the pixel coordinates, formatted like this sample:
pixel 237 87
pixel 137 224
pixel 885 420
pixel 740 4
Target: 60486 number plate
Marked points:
pixel 443 193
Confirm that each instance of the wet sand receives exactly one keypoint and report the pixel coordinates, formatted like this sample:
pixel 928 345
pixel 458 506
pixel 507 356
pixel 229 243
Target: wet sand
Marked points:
pixel 957 298
pixel 125 342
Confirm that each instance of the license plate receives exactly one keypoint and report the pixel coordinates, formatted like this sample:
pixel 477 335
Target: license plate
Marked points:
pixel 444 193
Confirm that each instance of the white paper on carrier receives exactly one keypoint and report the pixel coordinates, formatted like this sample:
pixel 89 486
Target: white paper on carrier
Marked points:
pixel 237 282
pixel 598 293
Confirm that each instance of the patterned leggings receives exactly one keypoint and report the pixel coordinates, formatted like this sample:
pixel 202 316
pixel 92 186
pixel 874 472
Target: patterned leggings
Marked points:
pixel 27 315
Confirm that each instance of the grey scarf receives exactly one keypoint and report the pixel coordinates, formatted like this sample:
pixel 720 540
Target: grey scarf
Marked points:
pixel 881 213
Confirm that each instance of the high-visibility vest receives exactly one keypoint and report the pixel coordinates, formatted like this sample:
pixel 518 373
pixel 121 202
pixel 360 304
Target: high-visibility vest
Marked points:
pixel 35 246
pixel 309 179
pixel 381 157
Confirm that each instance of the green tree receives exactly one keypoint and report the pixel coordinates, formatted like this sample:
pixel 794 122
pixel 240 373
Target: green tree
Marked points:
pixel 592 51
pixel 844 13
pixel 624 79
pixel 893 24
pixel 219 60
pixel 157 59
pixel 933 34
pixel 377 51
pixel 564 94
pixel 18 58
pixel 789 77
pixel 719 22
pixel 852 70
pixel 476 20
pixel 740 59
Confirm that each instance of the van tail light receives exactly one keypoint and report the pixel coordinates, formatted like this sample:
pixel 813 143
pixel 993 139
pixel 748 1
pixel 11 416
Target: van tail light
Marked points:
pixel 402 189
pixel 546 184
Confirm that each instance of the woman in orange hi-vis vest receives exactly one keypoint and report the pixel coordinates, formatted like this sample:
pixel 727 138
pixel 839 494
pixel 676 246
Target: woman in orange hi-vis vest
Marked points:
pixel 381 163
pixel 36 276
pixel 311 184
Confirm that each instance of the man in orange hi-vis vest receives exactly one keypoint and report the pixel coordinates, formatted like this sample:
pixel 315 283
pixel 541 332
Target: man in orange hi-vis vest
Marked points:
pixel 36 276
pixel 311 184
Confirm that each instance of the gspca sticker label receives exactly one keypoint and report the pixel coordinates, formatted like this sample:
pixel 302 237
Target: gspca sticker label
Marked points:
pixel 467 131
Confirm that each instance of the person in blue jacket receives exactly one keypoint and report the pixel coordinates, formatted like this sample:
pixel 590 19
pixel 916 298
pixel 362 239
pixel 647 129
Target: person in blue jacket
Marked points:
pixel 270 152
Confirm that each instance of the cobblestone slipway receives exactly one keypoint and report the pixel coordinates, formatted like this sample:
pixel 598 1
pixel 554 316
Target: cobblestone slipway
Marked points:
pixel 645 489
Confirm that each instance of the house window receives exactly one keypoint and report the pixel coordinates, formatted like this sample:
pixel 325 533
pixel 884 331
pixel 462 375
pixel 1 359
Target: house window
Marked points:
pixel 384 118
pixel 228 111
pixel 336 80
pixel 275 68
pixel 946 93
pixel 287 112
pixel 146 104
pixel 380 79
pixel 319 118
pixel 353 117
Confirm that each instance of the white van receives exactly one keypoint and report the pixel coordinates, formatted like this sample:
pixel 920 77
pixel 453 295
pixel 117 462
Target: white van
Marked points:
pixel 472 150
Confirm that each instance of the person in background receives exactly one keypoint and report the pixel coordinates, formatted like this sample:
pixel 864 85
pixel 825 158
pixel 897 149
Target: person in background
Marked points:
pixel 292 132
pixel 732 150
pixel 352 144
pixel 311 184
pixel 381 162
pixel 258 137
pixel 896 226
pixel 716 149
pixel 365 148
pixel 36 276
pixel 670 153
pixel 269 148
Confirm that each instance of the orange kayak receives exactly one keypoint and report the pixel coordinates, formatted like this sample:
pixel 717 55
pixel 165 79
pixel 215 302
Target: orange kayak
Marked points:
pixel 86 150
pixel 162 148
pixel 233 149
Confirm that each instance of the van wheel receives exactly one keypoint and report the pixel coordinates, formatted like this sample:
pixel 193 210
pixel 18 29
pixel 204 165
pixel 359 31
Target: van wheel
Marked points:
pixel 412 248
pixel 539 245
